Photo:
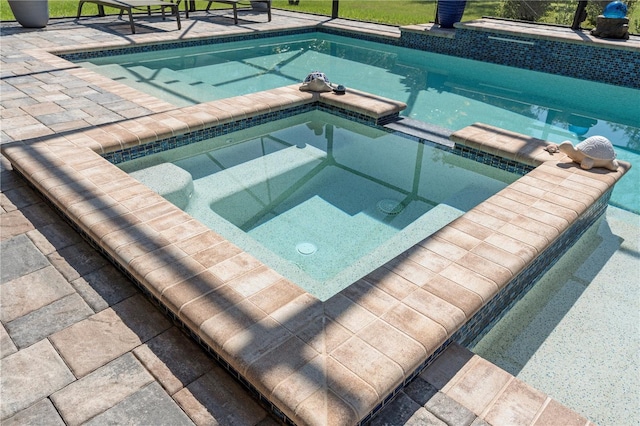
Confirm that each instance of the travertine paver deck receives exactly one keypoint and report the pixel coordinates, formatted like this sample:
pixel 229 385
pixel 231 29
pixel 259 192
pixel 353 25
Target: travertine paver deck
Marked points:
pixel 346 330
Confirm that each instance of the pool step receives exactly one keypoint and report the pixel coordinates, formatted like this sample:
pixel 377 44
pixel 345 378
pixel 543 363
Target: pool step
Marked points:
pixel 168 180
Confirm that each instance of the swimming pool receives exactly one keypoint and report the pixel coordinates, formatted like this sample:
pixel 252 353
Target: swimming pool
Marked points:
pixel 321 199
pixel 442 90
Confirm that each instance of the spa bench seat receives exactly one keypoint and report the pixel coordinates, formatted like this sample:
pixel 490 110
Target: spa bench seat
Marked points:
pixel 130 5
pixel 235 3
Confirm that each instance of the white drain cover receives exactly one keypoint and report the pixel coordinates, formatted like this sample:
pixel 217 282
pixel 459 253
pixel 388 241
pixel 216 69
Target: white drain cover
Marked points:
pixel 306 248
pixel 390 207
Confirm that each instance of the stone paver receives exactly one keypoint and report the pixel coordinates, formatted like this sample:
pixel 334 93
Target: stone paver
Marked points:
pixel 150 405
pixel 76 260
pixel 91 343
pixel 29 375
pixel 53 237
pixel 518 404
pixel 215 396
pixel 405 411
pixel 103 287
pixel 41 306
pixel 7 347
pixel 31 292
pixel 95 341
pixel 37 325
pixel 19 258
pixel 478 387
pixel 173 359
pixel 100 390
pixel 42 413
pixel 438 403
pixel 14 223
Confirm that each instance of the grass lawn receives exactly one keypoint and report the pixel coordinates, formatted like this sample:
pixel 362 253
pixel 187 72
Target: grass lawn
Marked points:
pixel 394 12
pixel 397 12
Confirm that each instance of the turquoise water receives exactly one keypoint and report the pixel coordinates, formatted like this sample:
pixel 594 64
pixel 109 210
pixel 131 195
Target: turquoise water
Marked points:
pixel 321 199
pixel 442 90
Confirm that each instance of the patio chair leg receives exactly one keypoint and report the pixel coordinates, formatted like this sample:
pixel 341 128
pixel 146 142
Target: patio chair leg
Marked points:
pixel 186 8
pixel 175 9
pixel 80 4
pixel 232 3
pixel 133 28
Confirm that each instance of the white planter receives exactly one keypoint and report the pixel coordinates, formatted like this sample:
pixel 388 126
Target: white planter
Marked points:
pixel 30 13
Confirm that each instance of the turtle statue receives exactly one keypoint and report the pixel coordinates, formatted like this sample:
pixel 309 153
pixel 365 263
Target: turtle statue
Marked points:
pixel 596 151
pixel 316 82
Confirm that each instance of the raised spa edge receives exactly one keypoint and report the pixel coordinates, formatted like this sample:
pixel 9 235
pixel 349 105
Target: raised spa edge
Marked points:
pixel 340 361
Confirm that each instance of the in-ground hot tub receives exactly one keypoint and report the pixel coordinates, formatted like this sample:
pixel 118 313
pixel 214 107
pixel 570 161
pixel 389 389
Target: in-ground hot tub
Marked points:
pixel 321 199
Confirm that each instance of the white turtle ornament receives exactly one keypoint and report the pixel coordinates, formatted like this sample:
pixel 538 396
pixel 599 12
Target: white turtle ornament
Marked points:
pixel 595 151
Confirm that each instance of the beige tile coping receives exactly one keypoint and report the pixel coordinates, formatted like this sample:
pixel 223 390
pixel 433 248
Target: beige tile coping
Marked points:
pixel 320 363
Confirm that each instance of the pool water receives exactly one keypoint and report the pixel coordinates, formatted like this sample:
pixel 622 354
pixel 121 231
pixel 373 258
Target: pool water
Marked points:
pixel 442 90
pixel 321 199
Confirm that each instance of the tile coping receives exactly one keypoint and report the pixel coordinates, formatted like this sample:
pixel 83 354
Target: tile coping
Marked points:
pixel 324 363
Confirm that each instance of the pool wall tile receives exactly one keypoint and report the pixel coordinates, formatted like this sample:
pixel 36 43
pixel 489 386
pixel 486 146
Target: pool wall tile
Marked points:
pixel 610 63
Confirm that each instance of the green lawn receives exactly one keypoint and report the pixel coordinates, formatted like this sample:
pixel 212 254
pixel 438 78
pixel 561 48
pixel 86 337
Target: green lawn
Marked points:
pixel 394 12
pixel 397 12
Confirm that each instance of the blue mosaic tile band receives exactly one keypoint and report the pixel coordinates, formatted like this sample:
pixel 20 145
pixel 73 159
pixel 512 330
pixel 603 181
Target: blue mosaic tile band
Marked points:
pixel 127 154
pixel 584 61
pixel 511 166
pixel 360 36
pixel 157 47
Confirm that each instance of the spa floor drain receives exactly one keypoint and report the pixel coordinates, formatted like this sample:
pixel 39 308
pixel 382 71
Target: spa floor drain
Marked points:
pixel 390 207
pixel 306 248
